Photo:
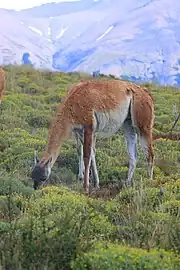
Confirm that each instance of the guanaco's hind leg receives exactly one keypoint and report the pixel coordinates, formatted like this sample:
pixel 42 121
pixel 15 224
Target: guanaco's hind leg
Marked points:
pixel 146 143
pixel 94 166
pixel 132 149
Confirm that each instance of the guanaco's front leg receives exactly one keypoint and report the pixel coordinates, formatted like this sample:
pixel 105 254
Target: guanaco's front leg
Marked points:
pixel 87 147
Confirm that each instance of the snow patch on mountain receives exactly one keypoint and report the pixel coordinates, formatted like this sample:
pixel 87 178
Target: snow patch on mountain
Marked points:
pixel 105 33
pixel 62 31
pixel 35 30
pixel 49 31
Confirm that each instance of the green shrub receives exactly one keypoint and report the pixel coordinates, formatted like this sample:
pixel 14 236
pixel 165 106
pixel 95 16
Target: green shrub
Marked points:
pixel 173 207
pixel 8 208
pixel 52 200
pixel 39 121
pixel 141 218
pixel 61 176
pixel 10 185
pixel 4 227
pixel 56 224
pixel 116 257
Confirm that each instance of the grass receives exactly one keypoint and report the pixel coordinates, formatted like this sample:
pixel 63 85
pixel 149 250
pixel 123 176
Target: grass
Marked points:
pixel 58 227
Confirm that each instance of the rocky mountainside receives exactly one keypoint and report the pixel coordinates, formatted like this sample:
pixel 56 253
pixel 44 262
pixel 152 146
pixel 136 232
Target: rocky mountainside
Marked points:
pixel 136 39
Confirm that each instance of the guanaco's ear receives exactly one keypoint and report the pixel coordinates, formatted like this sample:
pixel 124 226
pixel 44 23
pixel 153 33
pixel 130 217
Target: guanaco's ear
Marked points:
pixel 36 159
pixel 48 161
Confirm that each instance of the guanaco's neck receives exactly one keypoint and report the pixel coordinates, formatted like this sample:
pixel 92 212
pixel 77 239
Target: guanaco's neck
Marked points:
pixel 58 133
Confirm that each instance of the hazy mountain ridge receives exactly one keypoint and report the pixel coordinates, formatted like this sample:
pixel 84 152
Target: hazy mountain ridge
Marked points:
pixel 139 39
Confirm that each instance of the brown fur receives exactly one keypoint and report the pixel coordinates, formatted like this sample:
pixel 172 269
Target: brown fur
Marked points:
pixel 143 102
pixel 143 111
pixel 87 96
pixel 2 83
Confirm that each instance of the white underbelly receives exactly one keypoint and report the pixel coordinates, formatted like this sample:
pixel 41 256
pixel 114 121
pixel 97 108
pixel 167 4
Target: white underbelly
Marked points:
pixel 109 122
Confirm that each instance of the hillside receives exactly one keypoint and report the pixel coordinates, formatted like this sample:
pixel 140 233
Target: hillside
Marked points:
pixel 139 39
pixel 58 227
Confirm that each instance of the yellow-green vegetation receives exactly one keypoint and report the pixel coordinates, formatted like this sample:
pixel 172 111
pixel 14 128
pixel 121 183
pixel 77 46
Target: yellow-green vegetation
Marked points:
pixel 58 227
pixel 112 256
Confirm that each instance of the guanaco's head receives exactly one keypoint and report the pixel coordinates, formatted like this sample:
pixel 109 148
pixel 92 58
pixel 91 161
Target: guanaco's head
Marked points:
pixel 41 171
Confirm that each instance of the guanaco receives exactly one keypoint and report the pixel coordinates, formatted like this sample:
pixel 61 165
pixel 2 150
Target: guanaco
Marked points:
pixel 97 109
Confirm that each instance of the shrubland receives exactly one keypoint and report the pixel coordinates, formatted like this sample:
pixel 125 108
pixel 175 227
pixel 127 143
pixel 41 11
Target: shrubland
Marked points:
pixel 58 227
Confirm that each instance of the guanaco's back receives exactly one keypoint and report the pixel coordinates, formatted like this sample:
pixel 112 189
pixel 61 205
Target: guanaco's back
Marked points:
pixel 96 96
pixel 89 96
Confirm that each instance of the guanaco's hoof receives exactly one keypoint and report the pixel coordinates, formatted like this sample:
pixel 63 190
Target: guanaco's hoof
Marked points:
pixel 86 190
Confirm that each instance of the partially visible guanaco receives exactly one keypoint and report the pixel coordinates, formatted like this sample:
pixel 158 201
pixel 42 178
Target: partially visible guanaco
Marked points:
pixel 2 83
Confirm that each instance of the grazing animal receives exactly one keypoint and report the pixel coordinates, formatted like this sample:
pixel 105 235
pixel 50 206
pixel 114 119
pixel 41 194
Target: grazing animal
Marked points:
pixel 99 108
pixel 2 83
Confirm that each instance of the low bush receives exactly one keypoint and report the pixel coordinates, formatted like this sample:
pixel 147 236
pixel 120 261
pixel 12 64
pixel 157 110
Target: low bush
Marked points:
pixel 57 223
pixel 112 256
pixel 9 185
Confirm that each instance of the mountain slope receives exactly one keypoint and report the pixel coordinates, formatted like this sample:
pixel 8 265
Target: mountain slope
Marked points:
pixel 57 9
pixel 16 37
pixel 139 39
